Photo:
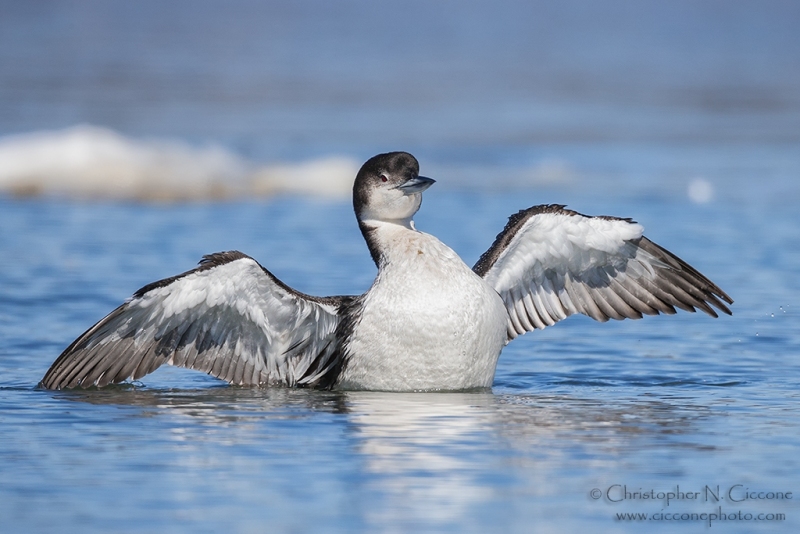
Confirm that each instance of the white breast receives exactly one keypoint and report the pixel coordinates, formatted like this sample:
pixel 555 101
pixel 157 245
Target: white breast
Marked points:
pixel 428 322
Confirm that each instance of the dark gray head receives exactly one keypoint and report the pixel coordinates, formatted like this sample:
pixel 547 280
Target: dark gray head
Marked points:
pixel 389 188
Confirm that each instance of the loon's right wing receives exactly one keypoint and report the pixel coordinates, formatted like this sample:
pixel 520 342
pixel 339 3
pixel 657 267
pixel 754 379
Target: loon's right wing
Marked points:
pixel 229 317
pixel 549 263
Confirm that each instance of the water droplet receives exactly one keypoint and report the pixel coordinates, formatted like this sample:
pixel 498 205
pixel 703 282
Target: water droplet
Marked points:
pixel 772 315
pixel 700 191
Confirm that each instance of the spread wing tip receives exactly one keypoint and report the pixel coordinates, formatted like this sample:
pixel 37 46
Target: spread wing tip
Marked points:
pixel 256 331
pixel 550 262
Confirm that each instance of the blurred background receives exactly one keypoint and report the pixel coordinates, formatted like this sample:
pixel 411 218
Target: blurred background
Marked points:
pixel 204 99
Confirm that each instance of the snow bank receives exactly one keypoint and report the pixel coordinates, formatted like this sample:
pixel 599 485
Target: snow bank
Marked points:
pixel 93 162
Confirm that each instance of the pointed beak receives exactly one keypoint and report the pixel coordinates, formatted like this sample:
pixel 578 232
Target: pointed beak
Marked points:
pixel 416 185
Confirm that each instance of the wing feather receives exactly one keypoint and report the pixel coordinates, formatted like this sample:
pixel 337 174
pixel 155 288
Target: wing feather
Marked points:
pixel 549 263
pixel 632 297
pixel 229 317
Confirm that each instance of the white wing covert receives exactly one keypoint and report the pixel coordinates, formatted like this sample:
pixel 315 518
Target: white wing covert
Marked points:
pixel 229 317
pixel 549 263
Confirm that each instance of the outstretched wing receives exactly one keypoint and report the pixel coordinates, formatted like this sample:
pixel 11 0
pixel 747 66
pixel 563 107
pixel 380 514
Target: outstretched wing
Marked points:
pixel 229 317
pixel 549 263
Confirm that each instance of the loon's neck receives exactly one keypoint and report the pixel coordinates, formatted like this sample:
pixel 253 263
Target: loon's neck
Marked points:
pixel 376 233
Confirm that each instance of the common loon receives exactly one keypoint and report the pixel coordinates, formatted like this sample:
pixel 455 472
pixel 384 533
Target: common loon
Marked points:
pixel 428 322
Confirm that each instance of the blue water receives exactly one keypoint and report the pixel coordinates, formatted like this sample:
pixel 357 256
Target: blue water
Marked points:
pixel 614 109
pixel 683 401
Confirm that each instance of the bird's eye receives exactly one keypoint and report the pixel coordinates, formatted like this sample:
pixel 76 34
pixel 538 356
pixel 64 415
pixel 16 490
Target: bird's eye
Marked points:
pixel 384 178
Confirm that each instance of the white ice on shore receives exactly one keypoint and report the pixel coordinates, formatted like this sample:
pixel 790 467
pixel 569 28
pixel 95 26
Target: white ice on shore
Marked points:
pixel 93 162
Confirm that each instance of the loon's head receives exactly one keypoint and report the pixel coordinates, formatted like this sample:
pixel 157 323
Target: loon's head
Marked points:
pixel 389 188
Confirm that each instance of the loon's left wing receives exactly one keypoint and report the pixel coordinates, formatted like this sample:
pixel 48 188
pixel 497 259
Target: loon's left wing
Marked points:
pixel 549 263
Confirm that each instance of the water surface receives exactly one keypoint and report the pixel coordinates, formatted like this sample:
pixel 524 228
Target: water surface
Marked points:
pixel 654 404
